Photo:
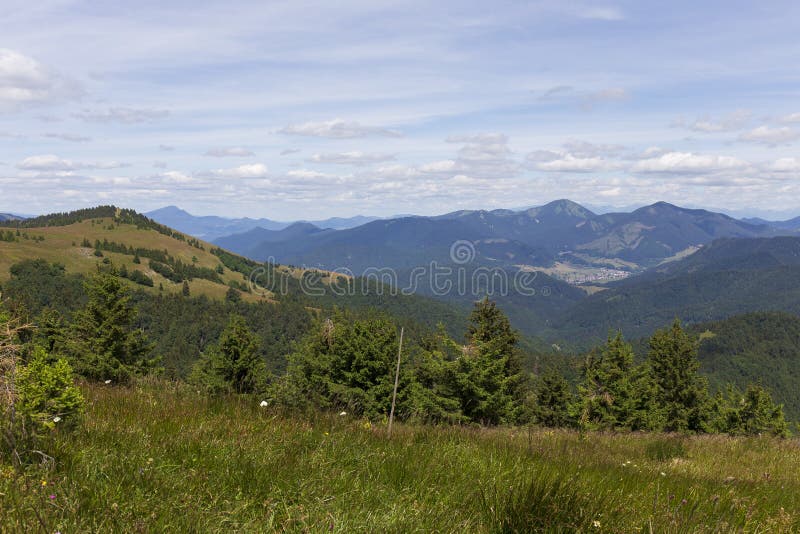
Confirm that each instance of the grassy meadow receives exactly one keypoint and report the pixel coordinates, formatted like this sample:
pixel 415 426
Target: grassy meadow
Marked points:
pixel 159 457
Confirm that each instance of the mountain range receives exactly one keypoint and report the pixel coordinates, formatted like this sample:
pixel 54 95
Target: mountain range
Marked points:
pixel 561 232
pixel 212 227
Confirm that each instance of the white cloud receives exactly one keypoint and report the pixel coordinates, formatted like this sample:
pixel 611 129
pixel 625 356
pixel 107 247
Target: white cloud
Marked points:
pixel 122 115
pixel 791 118
pixel 51 162
pixel 786 165
pixel 352 158
pixel 687 162
pixel 176 177
pixel 288 151
pixel 733 121
pixel 483 139
pixel 237 152
pixel 571 163
pixel 337 129
pixel 23 80
pixel 606 13
pixel 771 136
pixel 254 170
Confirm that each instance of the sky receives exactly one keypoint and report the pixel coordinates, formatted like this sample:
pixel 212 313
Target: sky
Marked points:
pixel 304 110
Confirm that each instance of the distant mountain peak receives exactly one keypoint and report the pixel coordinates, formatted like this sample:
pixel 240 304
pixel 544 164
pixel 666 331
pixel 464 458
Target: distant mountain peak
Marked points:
pixel 561 207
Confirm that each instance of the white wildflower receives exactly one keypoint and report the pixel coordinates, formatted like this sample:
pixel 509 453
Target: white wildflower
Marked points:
pixel 107 382
pixel 56 419
pixel 264 404
pixel 663 474
pixel 343 413
pixel 596 523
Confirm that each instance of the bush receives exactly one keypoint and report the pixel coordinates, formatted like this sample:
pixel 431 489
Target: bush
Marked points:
pixel 47 395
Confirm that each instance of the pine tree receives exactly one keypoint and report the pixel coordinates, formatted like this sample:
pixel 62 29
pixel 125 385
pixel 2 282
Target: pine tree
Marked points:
pixel 680 391
pixel 234 364
pixel 102 342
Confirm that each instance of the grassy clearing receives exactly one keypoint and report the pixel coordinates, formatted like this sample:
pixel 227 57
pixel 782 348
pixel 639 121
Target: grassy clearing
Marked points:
pixel 160 458
pixel 62 245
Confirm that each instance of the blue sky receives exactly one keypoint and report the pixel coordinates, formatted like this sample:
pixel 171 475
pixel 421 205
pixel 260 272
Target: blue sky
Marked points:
pixel 304 110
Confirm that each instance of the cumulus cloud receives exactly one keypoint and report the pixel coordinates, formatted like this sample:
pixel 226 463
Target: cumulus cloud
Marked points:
pixel 786 165
pixel 23 81
pixel 576 156
pixel 74 138
pixel 237 152
pixel 254 170
pixel 483 156
pixel 687 162
pixel 352 158
pixel 727 123
pixel 51 162
pixel 771 136
pixel 337 129
pixel 569 163
pixel 121 115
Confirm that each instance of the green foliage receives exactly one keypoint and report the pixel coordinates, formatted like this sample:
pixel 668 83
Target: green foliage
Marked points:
pixel 47 396
pixel 103 343
pixel 234 364
pixel 752 413
pixel 552 401
pixel 680 391
pixel 345 363
pixel 491 370
pixel 759 347
pixel 606 392
pixel 38 284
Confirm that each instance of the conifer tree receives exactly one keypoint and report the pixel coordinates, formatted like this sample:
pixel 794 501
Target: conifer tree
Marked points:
pixel 553 399
pixel 491 369
pixel 234 364
pixel 103 343
pixel 607 390
pixel 680 391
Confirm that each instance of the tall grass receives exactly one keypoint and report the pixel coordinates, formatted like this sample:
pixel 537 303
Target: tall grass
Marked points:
pixel 160 458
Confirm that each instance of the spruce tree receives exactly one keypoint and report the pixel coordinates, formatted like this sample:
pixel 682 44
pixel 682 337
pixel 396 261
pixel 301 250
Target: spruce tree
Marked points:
pixel 234 364
pixel 680 391
pixel 607 391
pixel 552 401
pixel 492 383
pixel 103 343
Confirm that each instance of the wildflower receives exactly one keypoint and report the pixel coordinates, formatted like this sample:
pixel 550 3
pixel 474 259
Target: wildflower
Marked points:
pixel 107 382
pixel 264 404
pixel 596 523
pixel 52 497
pixel 343 413
pixel 663 474
pixel 367 425
pixel 44 483
pixel 326 434
pixel 56 419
